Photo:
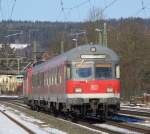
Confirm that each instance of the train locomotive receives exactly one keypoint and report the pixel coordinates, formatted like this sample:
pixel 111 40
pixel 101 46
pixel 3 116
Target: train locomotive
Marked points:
pixel 84 81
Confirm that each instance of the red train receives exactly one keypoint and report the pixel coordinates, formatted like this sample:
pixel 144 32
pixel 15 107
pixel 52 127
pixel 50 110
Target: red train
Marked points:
pixel 81 82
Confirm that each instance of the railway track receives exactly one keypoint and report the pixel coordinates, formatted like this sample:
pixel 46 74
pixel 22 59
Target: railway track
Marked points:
pixel 17 122
pixel 90 124
pixel 139 113
pixel 131 127
pixel 83 123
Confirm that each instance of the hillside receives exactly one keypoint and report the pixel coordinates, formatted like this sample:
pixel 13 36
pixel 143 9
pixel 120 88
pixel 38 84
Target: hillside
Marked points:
pixel 128 37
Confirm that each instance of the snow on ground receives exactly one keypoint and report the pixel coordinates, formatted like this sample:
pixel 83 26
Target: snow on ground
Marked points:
pixel 9 96
pixel 146 123
pixel 9 127
pixel 18 46
pixel 91 129
pixel 141 106
pixel 138 107
pixel 116 129
pixel 30 122
pixel 33 123
pixel 135 107
pixel 137 116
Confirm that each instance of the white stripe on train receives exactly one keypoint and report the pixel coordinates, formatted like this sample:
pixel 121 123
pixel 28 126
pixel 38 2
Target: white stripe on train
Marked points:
pixel 102 95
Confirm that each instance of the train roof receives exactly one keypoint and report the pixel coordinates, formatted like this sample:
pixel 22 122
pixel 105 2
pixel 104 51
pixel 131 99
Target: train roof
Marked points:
pixel 87 50
pixel 75 54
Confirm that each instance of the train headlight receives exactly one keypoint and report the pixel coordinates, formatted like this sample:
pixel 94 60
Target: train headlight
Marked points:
pixel 78 90
pixel 109 90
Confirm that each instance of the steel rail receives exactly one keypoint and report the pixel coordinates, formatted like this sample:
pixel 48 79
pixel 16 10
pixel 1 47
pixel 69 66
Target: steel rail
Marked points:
pixel 140 113
pixel 131 127
pixel 18 123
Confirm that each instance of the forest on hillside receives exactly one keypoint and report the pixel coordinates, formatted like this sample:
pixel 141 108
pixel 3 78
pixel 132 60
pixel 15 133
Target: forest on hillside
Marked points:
pixel 130 38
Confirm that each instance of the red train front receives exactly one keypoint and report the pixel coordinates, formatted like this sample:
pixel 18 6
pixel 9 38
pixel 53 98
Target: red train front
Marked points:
pixel 83 81
pixel 94 82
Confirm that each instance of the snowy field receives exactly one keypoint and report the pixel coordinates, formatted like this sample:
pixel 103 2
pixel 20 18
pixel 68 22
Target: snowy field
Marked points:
pixel 8 127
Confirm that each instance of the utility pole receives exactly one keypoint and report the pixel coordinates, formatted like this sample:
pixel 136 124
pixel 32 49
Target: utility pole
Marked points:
pixel 62 40
pixel 105 35
pixel 62 47
pixel 34 51
pixel 33 31
pixel 100 36
pixel 76 42
pixel 18 61
pixel 77 34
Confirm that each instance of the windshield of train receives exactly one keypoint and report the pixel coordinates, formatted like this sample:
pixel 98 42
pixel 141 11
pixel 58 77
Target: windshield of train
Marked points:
pixel 83 71
pixel 103 71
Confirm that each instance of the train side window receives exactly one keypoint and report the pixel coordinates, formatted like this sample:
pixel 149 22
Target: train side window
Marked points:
pixel 33 80
pixel 49 78
pixel 47 81
pixel 55 79
pixel 37 80
pixel 52 80
pixel 68 71
pixel 117 71
pixel 55 74
pixel 40 79
pixel 44 79
pixel 58 74
pixel 60 79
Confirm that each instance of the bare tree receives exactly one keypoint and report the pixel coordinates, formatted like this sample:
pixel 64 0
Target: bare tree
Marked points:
pixel 96 14
pixel 95 20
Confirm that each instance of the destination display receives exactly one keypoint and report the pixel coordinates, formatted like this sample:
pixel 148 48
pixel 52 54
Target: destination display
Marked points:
pixel 86 56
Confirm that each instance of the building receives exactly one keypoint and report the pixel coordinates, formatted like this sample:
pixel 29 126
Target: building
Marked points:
pixel 8 84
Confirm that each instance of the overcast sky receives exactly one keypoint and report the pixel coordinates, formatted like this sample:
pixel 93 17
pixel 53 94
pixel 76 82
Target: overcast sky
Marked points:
pixel 74 10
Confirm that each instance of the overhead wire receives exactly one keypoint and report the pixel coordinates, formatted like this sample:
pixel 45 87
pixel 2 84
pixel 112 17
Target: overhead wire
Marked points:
pixel 1 10
pixel 90 4
pixel 142 9
pixel 63 9
pixel 82 4
pixel 109 5
pixel 60 11
pixel 65 23
pixel 12 10
pixel 78 5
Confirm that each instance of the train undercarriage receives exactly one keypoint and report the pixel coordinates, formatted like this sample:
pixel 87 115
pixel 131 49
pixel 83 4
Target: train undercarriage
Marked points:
pixel 74 111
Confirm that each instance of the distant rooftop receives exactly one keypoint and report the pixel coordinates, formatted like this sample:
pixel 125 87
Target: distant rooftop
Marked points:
pixel 17 46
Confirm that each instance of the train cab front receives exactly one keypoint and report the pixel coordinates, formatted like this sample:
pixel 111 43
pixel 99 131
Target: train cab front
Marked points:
pixel 94 86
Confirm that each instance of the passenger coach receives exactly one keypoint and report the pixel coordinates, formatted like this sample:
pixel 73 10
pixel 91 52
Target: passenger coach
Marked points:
pixel 83 81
